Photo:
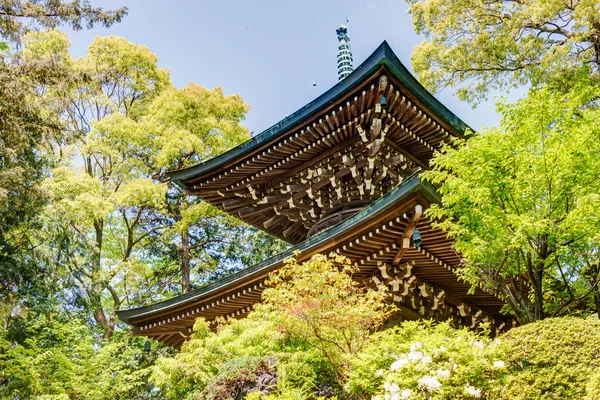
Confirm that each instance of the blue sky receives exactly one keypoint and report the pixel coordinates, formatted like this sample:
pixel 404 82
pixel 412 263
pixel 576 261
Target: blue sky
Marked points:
pixel 268 51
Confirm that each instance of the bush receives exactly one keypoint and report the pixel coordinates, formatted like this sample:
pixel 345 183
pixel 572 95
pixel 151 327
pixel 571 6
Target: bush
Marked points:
pixel 241 356
pixel 557 358
pixel 420 360
pixel 314 336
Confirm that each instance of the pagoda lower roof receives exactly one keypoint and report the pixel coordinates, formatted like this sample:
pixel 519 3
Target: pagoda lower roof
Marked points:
pixel 374 239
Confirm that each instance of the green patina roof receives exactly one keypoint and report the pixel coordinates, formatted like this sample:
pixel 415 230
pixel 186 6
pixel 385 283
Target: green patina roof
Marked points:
pixel 382 56
pixel 411 185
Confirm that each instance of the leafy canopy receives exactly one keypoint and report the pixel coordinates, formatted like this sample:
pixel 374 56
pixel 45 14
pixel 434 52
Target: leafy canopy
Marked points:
pixel 19 16
pixel 482 46
pixel 520 202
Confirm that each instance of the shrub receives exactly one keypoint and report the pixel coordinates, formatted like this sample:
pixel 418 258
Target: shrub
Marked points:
pixel 314 316
pixel 557 358
pixel 320 302
pixel 420 360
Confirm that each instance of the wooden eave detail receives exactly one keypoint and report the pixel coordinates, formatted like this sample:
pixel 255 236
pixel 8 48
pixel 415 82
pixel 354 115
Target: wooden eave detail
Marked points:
pixel 373 243
pixel 287 185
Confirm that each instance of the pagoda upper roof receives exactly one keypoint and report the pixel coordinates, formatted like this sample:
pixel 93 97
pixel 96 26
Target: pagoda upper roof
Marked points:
pixel 383 56
pixel 379 116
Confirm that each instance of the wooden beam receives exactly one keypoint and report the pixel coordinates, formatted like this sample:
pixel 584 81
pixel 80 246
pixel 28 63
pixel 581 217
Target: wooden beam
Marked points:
pixel 406 154
pixel 405 240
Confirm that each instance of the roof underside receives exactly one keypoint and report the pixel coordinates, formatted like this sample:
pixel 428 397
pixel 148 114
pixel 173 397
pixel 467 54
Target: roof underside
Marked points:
pixel 371 238
pixel 250 180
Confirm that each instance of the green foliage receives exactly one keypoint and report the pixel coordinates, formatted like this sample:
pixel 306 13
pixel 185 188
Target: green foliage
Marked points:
pixel 61 359
pixel 485 46
pixel 121 227
pixel 321 303
pixel 520 202
pixel 213 362
pixel 19 16
pixel 292 338
pixel 558 358
pixel 192 124
pixel 309 325
pixel 420 360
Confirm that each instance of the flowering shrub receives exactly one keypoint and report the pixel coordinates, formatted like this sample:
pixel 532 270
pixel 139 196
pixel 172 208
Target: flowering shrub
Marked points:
pixel 314 336
pixel 419 360
pixel 557 358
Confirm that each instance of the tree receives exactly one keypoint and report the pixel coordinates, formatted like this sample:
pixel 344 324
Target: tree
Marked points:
pixel 18 16
pixel 321 303
pixel 120 225
pixel 102 202
pixel 187 126
pixel 520 202
pixel 61 358
pixel 26 123
pixel 483 46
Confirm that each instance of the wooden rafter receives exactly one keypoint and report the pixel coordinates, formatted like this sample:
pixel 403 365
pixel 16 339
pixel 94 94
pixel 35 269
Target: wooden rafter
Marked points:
pixel 405 240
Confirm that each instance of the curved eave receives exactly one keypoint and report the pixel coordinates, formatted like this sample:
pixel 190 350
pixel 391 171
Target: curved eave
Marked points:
pixel 410 186
pixel 383 56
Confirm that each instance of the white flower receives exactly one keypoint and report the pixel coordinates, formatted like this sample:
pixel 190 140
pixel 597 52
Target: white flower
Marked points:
pixel 415 346
pixel 415 356
pixel 379 372
pixel 376 397
pixel 406 394
pixel 478 344
pixel 426 359
pixel 473 391
pixel 499 364
pixel 443 373
pixel 443 348
pixel 497 341
pixel 393 388
pixel 399 363
pixel 431 383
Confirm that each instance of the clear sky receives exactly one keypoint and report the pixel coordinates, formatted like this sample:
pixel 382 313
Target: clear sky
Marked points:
pixel 268 51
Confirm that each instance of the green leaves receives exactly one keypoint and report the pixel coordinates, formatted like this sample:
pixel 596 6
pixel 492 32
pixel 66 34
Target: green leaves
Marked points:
pixel 519 199
pixel 480 47
pixel 314 317
pixel 62 359
pixel 321 303
pixel 193 124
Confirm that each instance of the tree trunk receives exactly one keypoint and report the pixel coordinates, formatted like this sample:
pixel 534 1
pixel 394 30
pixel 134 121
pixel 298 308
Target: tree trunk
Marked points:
pixel 539 293
pixel 96 287
pixel 594 280
pixel 185 262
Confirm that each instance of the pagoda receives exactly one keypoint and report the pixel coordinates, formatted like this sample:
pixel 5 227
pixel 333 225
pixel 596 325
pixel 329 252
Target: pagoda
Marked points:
pixel 342 174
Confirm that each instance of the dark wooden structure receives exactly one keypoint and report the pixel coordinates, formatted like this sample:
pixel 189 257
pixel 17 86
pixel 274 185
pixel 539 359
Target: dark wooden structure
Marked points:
pixel 341 174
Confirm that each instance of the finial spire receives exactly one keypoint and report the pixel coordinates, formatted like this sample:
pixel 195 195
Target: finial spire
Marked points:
pixel 344 56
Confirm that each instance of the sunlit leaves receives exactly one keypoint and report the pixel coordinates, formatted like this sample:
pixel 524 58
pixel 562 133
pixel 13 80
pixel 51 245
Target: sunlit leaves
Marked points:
pixel 192 124
pixel 520 200
pixel 323 304
pixel 479 47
